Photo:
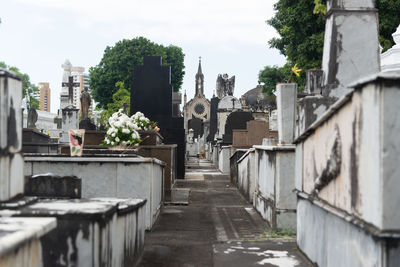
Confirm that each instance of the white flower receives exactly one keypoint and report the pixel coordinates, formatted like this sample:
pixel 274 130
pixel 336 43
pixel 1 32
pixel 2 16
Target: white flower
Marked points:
pixel 118 124
pixel 107 141
pixel 112 143
pixel 117 139
pixel 113 135
pixel 126 131
pixel 124 143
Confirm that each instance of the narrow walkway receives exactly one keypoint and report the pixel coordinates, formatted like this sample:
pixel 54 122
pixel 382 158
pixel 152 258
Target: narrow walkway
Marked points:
pixel 217 228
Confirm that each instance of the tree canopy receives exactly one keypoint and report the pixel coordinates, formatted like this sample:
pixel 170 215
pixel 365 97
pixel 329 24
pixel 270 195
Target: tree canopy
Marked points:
pixel 118 63
pixel 27 87
pixel 119 98
pixel 301 26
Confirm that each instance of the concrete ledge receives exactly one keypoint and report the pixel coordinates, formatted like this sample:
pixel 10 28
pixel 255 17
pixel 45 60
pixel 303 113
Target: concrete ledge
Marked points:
pixel 329 240
pixel 349 218
pixel 248 151
pixel 15 232
pixel 276 148
pixel 47 158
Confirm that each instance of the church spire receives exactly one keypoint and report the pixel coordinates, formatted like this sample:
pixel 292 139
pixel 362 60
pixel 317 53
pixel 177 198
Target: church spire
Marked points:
pixel 199 72
pixel 199 80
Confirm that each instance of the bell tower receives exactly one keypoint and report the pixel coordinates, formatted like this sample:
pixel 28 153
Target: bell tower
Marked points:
pixel 199 80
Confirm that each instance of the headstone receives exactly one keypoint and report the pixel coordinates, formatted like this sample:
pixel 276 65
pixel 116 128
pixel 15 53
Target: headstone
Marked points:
pixel 70 119
pixel 53 186
pixel 197 126
pixel 151 91
pixel 151 94
pixel 390 60
pixel 286 101
pixel 235 120
pixel 351 45
pixel 213 119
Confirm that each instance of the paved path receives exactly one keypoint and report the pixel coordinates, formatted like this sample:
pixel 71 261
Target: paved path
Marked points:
pixel 217 228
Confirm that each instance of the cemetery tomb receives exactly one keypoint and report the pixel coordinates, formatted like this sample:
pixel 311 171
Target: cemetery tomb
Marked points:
pixel 235 120
pixel 152 84
pixel 346 161
pixel 274 164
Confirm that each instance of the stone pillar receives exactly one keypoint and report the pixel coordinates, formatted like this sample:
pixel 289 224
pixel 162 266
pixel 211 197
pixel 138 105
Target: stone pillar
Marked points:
pixel 351 46
pixel 286 102
pixel 11 159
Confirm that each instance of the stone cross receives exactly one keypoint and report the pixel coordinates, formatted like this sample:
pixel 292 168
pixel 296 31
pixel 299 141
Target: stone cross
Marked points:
pixel 70 84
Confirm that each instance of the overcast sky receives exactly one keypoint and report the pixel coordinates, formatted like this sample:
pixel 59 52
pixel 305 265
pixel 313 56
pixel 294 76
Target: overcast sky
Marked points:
pixel 231 36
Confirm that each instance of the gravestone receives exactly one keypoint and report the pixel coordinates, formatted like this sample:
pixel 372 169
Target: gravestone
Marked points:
pixel 53 186
pixel 70 119
pixel 151 94
pixel 225 106
pixel 198 127
pixel 213 119
pixel 235 120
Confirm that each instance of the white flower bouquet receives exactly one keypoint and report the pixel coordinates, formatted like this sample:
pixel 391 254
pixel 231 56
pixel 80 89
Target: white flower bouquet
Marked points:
pixel 122 130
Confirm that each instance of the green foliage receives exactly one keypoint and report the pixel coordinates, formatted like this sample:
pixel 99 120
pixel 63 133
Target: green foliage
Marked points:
pixel 389 20
pixel 118 63
pixel 301 26
pixel 27 87
pixel 120 97
pixel 271 76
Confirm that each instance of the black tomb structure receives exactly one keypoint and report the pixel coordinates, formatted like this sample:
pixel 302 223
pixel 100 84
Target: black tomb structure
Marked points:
pixel 151 94
pixel 236 120
pixel 198 127
pixel 213 119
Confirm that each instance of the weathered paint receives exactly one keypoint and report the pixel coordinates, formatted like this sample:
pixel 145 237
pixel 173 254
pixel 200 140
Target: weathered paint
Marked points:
pixel 19 240
pixel 275 182
pixel 356 210
pixel 246 175
pixel 11 178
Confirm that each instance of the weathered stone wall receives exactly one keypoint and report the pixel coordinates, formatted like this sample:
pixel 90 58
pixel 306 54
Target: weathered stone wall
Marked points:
pixel 109 177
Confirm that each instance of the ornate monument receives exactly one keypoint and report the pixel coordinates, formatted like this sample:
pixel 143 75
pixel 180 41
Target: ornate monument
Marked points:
pixel 225 85
pixel 85 104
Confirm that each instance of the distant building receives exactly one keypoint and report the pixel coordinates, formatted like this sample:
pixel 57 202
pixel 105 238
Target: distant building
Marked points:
pixel 197 109
pixel 44 97
pixel 79 77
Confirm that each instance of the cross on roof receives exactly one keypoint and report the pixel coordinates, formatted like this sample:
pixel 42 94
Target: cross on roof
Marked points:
pixel 70 84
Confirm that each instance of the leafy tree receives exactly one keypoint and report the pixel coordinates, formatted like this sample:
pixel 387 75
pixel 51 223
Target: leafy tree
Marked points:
pixel 120 97
pixel 118 63
pixel 27 87
pixel 301 26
